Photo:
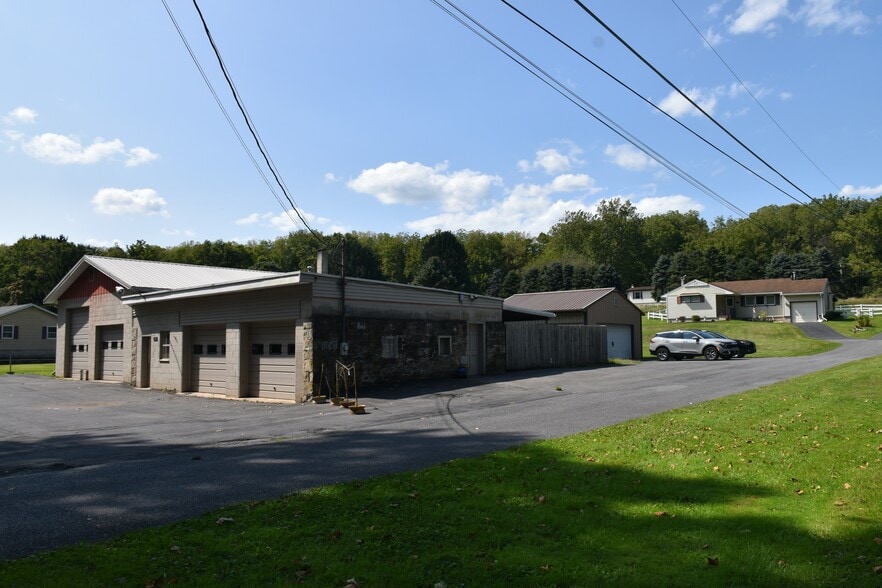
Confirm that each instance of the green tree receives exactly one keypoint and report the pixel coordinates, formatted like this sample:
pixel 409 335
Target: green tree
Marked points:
pixel 32 266
pixel 451 255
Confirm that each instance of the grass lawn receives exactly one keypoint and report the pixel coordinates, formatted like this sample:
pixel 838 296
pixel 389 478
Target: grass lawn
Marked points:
pixel 846 327
pixel 772 339
pixel 38 369
pixel 780 486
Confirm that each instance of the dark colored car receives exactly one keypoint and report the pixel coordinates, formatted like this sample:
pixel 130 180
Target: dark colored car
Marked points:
pixel 745 346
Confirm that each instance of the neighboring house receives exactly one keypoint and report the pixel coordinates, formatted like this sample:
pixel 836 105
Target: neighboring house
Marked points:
pixel 782 299
pixel 641 295
pixel 246 333
pixel 598 306
pixel 27 331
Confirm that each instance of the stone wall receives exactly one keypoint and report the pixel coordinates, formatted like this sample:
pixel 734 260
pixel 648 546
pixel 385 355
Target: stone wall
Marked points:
pixel 412 348
pixel 495 352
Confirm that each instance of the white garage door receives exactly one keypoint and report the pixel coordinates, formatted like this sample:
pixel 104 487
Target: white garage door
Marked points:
pixel 111 362
pixel 804 312
pixel 208 359
pixel 271 367
pixel 79 342
pixel 618 341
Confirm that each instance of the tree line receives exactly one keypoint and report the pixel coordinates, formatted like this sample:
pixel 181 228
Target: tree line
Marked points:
pixel 614 246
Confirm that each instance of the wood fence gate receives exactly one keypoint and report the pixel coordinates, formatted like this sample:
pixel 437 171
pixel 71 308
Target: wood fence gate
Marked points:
pixel 530 345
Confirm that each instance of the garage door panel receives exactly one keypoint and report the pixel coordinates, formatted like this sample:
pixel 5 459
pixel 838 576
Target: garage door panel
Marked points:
pixel 272 363
pixel 79 341
pixel 618 341
pixel 208 362
pixel 112 353
pixel 804 312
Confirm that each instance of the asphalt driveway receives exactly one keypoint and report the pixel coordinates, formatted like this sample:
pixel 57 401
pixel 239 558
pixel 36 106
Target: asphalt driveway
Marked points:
pixel 83 461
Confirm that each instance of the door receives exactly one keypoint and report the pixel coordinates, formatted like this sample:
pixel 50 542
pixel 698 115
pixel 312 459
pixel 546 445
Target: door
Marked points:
pixel 618 341
pixel 804 312
pixel 475 352
pixel 146 358
pixel 208 359
pixel 271 367
pixel 111 358
pixel 78 350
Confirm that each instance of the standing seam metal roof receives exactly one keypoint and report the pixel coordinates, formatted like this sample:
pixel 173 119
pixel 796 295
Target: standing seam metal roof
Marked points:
pixel 562 301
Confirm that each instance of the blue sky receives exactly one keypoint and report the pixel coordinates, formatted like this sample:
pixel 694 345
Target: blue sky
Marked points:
pixel 390 116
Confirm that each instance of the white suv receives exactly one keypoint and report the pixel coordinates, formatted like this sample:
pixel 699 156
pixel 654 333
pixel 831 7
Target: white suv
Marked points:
pixel 680 344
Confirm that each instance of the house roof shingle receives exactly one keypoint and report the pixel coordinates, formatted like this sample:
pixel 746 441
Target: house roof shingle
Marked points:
pixel 782 285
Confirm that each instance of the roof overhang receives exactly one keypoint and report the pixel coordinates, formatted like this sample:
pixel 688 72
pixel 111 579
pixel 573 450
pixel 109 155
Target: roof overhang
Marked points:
pixel 516 313
pixel 215 289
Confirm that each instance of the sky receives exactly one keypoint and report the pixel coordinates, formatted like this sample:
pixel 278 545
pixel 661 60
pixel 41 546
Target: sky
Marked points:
pixel 391 116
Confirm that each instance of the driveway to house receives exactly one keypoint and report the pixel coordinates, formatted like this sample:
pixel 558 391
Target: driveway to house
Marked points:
pixel 84 461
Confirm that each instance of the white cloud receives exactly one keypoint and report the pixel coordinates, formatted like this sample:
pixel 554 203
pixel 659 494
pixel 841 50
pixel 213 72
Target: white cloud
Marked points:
pixel 116 201
pixel 20 115
pixel 822 14
pixel 676 105
pixel 140 156
pixel 60 149
pixel 756 16
pixel 331 178
pixel 289 221
pixel 785 95
pixel 251 219
pixel 178 233
pixel 629 157
pixel 414 183
pixel 661 204
pixel 713 38
pixel 531 208
pixel 849 190
pixel 552 161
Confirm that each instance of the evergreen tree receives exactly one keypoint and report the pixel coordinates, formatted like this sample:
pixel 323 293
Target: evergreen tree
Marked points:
pixel 531 281
pixel 511 284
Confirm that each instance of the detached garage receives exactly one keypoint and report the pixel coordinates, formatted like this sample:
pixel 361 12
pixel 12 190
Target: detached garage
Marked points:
pixel 597 306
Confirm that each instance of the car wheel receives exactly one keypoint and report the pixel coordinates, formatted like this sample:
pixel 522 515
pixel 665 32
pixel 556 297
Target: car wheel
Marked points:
pixel 663 354
pixel 711 353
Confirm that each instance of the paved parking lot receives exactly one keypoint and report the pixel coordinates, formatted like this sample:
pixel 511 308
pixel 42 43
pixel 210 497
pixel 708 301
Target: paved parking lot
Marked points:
pixel 87 460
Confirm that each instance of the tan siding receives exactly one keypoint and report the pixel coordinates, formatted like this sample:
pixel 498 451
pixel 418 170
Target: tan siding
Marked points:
pixel 30 343
pixel 272 376
pixel 260 305
pixel 208 371
pixel 111 351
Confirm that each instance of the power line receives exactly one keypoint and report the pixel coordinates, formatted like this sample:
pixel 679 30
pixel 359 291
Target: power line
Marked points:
pixel 251 127
pixel 227 114
pixel 691 101
pixel 755 99
pixel 542 75
pixel 644 98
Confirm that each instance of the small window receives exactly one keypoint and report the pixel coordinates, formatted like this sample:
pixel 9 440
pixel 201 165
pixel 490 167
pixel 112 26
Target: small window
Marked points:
pixel 275 349
pixel 211 349
pixel 116 345
pixel 390 347
pixel 164 345
pixel 198 349
pixel 445 346
pixel 83 348
pixel 7 332
pixel 692 298
pixel 291 348
pixel 49 332
pixel 257 349
pixel 223 349
pixel 105 345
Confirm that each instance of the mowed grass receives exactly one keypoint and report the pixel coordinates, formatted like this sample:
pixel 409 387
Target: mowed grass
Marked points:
pixel 772 339
pixel 780 486
pixel 36 369
pixel 847 328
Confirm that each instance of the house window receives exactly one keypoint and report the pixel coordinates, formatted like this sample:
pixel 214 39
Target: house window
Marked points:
pixel 198 349
pixel 8 332
pixel 760 300
pixel 445 346
pixel 390 347
pixel 49 333
pixel 691 298
pixel 164 345
pixel 637 295
pixel 211 349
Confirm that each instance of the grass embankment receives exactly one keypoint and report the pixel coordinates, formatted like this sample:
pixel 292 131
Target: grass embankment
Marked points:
pixel 772 339
pixel 779 486
pixel 37 369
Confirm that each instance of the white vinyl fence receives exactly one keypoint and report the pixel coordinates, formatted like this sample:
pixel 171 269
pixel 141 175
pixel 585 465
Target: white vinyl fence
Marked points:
pixel 856 310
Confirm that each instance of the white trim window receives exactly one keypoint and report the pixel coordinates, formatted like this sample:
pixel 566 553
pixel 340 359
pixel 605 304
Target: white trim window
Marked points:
pixel 760 300
pixel 49 333
pixel 8 332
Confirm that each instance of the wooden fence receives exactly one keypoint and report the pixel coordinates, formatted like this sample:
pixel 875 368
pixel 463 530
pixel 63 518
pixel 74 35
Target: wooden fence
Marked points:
pixel 530 345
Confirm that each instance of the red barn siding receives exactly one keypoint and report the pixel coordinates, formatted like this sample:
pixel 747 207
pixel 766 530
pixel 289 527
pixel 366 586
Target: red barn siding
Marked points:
pixel 91 283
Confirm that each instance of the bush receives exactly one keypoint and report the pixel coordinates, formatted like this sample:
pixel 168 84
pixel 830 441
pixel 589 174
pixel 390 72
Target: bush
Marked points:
pixel 864 321
pixel 834 315
pixel 696 318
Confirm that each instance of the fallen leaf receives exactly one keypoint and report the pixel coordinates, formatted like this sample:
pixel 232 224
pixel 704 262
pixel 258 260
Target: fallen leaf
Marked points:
pixel 839 503
pixel 878 540
pixel 225 520
pixel 846 485
pixel 175 548
pixel 541 500
pixel 660 513
pixel 713 561
pixel 799 492
pixel 351 583
pixel 878 569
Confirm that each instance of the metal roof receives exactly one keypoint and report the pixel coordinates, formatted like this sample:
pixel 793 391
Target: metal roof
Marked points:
pixel 147 276
pixel 562 301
